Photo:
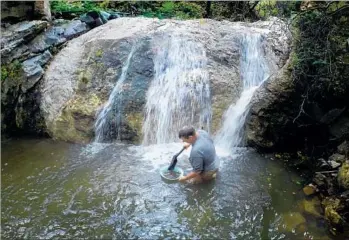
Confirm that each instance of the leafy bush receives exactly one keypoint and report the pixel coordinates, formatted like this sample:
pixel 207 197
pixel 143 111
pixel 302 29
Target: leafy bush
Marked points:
pixel 180 10
pixel 320 53
pixel 78 7
pixel 267 8
pixel 320 73
pixel 10 71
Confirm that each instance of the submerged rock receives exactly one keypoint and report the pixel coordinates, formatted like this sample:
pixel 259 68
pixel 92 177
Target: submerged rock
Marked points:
pixel 312 207
pixel 291 221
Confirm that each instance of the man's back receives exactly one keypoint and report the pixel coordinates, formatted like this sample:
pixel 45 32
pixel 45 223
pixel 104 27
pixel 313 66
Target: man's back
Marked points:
pixel 203 153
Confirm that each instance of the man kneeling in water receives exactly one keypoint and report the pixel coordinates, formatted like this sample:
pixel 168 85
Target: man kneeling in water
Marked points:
pixel 203 158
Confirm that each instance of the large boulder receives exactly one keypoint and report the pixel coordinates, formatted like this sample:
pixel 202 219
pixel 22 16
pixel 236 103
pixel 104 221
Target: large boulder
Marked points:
pixel 91 65
pixel 282 119
pixel 267 118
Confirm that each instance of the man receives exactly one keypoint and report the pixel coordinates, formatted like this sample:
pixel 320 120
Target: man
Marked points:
pixel 203 158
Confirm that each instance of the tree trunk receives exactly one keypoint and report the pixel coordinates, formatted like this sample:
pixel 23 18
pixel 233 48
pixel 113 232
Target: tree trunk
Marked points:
pixel 208 9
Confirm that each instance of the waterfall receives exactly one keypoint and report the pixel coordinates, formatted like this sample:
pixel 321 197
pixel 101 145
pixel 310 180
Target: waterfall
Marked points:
pixel 254 71
pixel 179 94
pixel 110 117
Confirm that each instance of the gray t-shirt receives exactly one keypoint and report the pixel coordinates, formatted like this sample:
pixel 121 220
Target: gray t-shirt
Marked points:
pixel 203 153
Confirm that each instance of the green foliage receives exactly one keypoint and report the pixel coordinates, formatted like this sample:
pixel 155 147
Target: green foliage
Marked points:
pixel 189 10
pixel 78 7
pixel 11 71
pixel 319 52
pixel 179 10
pixel 320 71
pixel 268 8
pixel 168 8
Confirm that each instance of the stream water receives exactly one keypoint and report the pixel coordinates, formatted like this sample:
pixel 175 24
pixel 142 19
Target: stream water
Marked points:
pixel 61 190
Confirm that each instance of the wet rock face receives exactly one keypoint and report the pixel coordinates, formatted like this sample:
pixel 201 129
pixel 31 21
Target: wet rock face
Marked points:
pixel 92 64
pixel 13 39
pixel 37 92
pixel 26 48
pixel 102 69
pixel 267 114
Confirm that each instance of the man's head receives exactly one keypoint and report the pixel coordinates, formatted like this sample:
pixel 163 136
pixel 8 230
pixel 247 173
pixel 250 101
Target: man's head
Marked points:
pixel 187 134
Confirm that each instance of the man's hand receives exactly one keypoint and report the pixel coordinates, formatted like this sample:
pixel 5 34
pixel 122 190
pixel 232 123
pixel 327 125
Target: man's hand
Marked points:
pixel 186 145
pixel 182 179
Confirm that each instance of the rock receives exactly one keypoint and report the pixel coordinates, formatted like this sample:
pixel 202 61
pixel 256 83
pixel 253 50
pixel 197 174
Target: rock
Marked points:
pixel 33 69
pixel 74 29
pixel 340 127
pixel 309 190
pixel 331 206
pixel 25 53
pixel 343 148
pixel 319 180
pixel 334 164
pixel 28 117
pixel 261 131
pixel 92 63
pixel 324 164
pixel 15 10
pixel 75 124
pixel 337 158
pixel 52 37
pixel 311 207
pixel 343 175
pixel 57 34
pixel 331 115
pixel 17 35
pixel 345 194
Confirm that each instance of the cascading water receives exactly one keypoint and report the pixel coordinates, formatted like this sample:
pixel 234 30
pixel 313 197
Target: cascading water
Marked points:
pixel 254 71
pixel 179 94
pixel 111 114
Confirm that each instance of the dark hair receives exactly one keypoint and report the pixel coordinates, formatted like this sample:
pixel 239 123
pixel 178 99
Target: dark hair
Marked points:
pixel 186 132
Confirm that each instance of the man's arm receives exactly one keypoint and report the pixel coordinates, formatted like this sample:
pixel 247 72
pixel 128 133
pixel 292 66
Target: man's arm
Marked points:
pixel 198 166
pixel 189 176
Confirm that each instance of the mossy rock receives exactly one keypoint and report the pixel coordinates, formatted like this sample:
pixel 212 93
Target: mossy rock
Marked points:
pixel 343 175
pixel 76 122
pixel 312 207
pixel 135 120
pixel 332 206
pixel 85 76
pixel 332 216
pixel 218 110
pixel 11 71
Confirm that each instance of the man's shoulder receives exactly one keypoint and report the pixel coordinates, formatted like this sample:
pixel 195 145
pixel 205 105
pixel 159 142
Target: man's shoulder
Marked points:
pixel 203 132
